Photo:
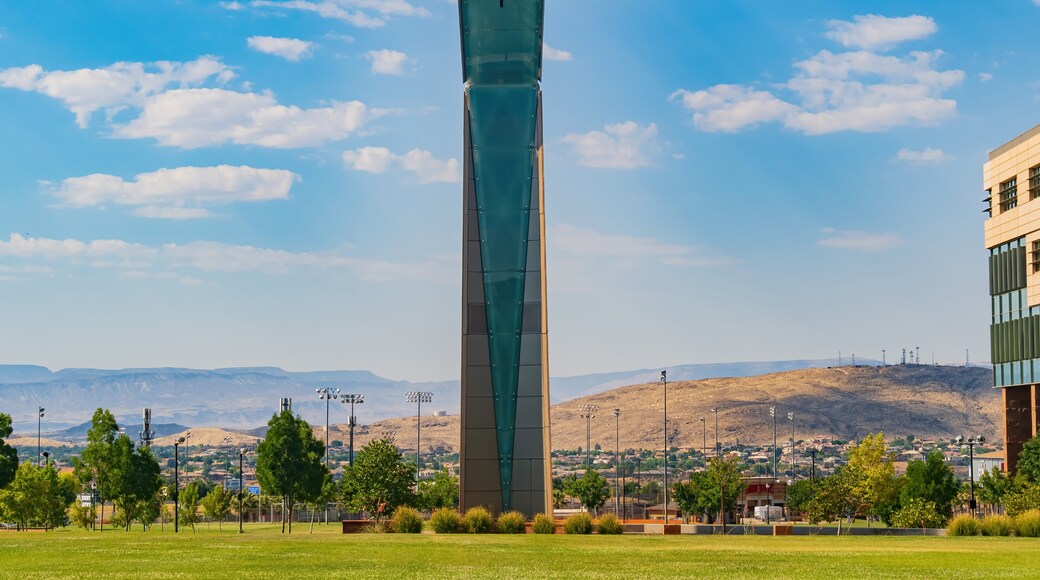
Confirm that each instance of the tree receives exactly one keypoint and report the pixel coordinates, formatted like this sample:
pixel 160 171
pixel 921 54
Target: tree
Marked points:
pixel 834 499
pixel 189 505
pixel 918 513
pixel 591 489
pixel 379 481
pixel 134 478
pixel 440 492
pixel 37 497
pixel 685 494
pixel 931 480
pixel 722 487
pixel 871 471
pixel 1028 465
pixel 217 504
pixel 800 493
pixel 97 460
pixel 8 454
pixel 993 486
pixel 289 462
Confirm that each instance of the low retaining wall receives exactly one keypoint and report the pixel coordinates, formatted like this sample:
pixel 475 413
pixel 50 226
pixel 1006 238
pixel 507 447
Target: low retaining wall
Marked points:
pixel 775 530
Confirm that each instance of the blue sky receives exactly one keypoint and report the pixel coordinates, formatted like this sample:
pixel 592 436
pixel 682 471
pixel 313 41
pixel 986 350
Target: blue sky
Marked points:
pixel 205 184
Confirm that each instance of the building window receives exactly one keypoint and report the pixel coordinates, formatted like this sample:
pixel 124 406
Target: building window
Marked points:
pixel 1009 194
pixel 1034 182
pixel 1034 256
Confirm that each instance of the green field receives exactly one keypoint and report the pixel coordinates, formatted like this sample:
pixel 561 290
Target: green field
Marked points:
pixel 262 552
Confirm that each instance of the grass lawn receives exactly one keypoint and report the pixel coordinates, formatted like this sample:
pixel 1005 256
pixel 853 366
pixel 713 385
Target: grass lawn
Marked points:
pixel 262 552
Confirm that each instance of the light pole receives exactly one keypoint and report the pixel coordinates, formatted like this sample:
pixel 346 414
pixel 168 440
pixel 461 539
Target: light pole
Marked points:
pixel 617 461
pixel 418 398
pixel 39 439
pixel 588 412
pixel 241 490
pixel 176 483
pixel 352 399
pixel 790 417
pixel 812 471
pixel 718 450
pixel 704 443
pixel 664 379
pixel 327 395
pixel 971 442
pixel 772 413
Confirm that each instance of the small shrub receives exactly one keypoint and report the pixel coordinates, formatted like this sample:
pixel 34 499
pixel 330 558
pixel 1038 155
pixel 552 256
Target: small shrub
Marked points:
pixel 997 526
pixel 609 524
pixel 511 523
pixel 1028 524
pixel 964 525
pixel 374 527
pixel 478 520
pixel 579 523
pixel 446 521
pixel 406 521
pixel 544 524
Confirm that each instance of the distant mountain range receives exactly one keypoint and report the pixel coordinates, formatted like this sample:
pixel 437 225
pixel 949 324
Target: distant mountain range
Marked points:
pixel 244 398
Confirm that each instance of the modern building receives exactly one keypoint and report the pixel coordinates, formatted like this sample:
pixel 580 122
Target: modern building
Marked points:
pixel 505 459
pixel 1011 179
pixel 985 463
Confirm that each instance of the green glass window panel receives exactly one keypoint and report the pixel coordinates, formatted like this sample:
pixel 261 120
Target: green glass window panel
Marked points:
pixel 501 41
pixel 502 122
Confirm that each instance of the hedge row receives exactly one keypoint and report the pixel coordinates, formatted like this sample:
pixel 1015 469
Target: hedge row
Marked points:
pixel 478 520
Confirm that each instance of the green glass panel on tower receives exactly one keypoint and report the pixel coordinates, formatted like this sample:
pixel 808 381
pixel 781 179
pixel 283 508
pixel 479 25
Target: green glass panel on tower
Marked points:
pixel 501 41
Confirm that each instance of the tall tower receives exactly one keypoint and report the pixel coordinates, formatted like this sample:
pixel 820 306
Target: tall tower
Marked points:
pixel 505 373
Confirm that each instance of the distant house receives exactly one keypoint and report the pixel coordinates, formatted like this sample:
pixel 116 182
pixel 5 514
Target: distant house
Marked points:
pixel 985 462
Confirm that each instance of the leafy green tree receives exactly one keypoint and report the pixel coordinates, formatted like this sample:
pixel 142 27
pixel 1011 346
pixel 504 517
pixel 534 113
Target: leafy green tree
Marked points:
pixel 8 454
pixel 918 513
pixel 994 486
pixel 591 489
pixel 1021 497
pixel 37 497
pixel 931 480
pixel 834 499
pixel 379 481
pixel 800 493
pixel 189 505
pixel 440 492
pixel 217 504
pixel 1028 465
pixel 722 486
pixel 871 472
pixel 685 494
pixel 134 478
pixel 289 462
pixel 98 458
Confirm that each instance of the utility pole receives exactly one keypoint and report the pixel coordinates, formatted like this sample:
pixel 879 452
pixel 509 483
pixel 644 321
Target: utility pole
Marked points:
pixel 39 440
pixel 772 413
pixel 664 379
pixel 352 399
pixel 418 398
pixel 617 460
pixel 790 417
pixel 704 443
pixel 718 450
pixel 588 413
pixel 326 394
pixel 883 358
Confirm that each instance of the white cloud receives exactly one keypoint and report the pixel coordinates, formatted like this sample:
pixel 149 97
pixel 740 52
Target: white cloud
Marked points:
pixel 232 6
pixel 986 77
pixel 923 157
pixel 361 13
pixel 140 261
pixel 859 241
pixel 874 32
pixel 177 193
pixel 387 62
pixel 847 91
pixel 620 146
pixel 550 53
pixel 85 91
pixel 426 168
pixel 292 49
pixel 586 243
pixel 191 118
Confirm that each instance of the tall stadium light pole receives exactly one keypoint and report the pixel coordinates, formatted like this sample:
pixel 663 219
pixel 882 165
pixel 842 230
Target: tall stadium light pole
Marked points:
pixel 588 412
pixel 352 399
pixel 718 450
pixel 176 483
pixel 418 398
pixel 241 490
pixel 704 442
pixel 326 394
pixel 790 417
pixel 971 442
pixel 664 380
pixel 39 439
pixel 772 413
pixel 617 460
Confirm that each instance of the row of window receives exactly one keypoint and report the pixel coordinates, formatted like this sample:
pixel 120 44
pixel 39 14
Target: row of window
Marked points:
pixel 1023 372
pixel 1012 306
pixel 1007 267
pixel 1008 191
pixel 1015 340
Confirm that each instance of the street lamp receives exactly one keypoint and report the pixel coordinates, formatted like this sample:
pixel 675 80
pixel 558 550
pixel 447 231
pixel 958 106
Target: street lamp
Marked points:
pixel 39 440
pixel 664 380
pixel 352 399
pixel 772 413
pixel 790 417
pixel 176 483
pixel 971 442
pixel 718 450
pixel 327 395
pixel 241 490
pixel 617 461
pixel 704 442
pixel 588 413
pixel 418 398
